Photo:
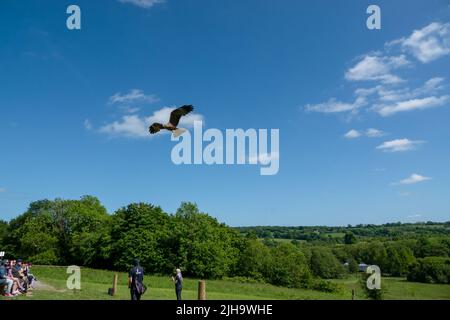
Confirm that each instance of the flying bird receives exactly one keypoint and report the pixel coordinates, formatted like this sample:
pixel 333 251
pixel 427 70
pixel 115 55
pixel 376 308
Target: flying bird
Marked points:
pixel 175 117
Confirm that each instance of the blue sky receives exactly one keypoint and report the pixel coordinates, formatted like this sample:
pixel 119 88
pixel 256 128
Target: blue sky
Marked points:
pixel 363 114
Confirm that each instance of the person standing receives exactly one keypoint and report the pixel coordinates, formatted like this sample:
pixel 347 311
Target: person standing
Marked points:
pixel 136 281
pixel 178 281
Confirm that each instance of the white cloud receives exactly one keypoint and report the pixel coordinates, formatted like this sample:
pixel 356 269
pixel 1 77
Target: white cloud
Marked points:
pixel 386 93
pixel 429 43
pixel 414 178
pixel 128 109
pixel 129 126
pixel 133 96
pixel 352 134
pixel 399 145
pixel 371 133
pixel 432 85
pixel 365 92
pixel 390 93
pixel 386 110
pixel 3 190
pixel 134 126
pixel 335 106
pixel 87 124
pixel 374 133
pixel 379 68
pixel 143 3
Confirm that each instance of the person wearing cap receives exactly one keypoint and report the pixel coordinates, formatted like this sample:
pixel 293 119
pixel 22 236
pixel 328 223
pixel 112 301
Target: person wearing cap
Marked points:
pixel 136 281
pixel 4 280
pixel 178 281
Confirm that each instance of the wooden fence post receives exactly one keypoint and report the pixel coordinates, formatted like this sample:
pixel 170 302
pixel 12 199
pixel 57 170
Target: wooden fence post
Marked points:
pixel 201 290
pixel 353 294
pixel 114 284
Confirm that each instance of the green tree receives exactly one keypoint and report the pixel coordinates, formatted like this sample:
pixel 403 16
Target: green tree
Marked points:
pixel 36 240
pixel 399 258
pixel 3 232
pixel 430 270
pixel 140 231
pixel 251 235
pixel 254 260
pixel 349 238
pixel 353 266
pixel 373 252
pixel 324 264
pixel 88 232
pixel 430 247
pixel 204 247
pixel 52 232
pixel 288 267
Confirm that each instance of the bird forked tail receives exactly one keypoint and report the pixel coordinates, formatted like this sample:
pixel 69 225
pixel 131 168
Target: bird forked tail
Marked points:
pixel 178 132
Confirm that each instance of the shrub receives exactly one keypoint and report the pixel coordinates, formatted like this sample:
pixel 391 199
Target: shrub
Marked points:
pixel 325 286
pixel 430 270
pixel 374 294
pixel 325 265
pixel 288 267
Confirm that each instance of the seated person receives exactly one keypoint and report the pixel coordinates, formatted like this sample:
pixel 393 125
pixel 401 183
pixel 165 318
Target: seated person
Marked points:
pixel 18 273
pixel 4 280
pixel 17 287
pixel 30 277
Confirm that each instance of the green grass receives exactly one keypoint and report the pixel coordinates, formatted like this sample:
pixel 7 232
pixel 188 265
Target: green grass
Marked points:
pixel 95 284
pixel 336 234
pixel 400 289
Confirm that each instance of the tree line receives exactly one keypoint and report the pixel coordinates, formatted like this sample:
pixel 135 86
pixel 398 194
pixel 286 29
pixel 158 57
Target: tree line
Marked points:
pixel 81 232
pixel 394 231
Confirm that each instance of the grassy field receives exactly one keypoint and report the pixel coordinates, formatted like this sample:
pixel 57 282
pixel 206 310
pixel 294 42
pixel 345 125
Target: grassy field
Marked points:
pixel 95 284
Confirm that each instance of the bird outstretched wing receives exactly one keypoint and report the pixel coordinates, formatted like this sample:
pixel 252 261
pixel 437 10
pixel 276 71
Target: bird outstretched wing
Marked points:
pixel 176 114
pixel 154 128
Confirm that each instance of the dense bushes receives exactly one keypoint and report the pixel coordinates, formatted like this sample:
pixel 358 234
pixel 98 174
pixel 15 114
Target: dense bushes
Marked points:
pixel 324 264
pixel 426 247
pixel 398 258
pixel 430 270
pixel 392 257
pixel 288 267
pixel 283 265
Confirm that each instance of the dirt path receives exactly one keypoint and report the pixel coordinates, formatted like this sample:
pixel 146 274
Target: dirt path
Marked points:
pixel 39 285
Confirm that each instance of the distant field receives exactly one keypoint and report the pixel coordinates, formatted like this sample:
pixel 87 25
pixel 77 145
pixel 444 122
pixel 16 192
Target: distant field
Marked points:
pixel 337 235
pixel 95 284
